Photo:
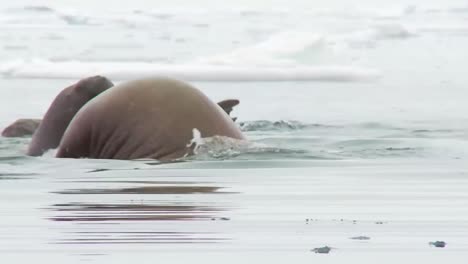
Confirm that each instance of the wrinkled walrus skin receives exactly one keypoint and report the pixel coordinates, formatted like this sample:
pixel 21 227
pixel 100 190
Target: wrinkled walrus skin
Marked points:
pixel 21 128
pixel 62 110
pixel 148 118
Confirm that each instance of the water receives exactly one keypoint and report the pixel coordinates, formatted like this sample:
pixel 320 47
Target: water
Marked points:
pixel 355 115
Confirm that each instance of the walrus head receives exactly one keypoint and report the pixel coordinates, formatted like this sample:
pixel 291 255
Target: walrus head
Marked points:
pixel 62 110
pixel 92 86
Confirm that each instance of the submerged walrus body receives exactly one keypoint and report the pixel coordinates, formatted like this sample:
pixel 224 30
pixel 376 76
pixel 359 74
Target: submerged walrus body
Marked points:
pixel 150 118
pixel 21 127
pixel 62 110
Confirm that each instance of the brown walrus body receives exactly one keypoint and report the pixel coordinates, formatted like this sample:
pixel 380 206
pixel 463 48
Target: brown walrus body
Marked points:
pixel 149 118
pixel 62 110
pixel 21 128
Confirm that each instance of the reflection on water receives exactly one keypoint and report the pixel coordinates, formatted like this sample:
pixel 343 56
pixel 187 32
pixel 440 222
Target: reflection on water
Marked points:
pixel 140 238
pixel 146 190
pixel 16 176
pixel 156 219
pixel 131 212
pixel 231 208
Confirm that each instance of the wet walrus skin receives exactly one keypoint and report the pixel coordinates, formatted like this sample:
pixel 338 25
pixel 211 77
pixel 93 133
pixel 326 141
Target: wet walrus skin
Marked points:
pixel 21 128
pixel 62 110
pixel 27 126
pixel 149 118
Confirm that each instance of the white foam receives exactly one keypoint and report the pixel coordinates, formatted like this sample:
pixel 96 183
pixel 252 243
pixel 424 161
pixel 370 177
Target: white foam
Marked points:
pixel 219 146
pixel 196 141
pixel 45 69
pixel 51 153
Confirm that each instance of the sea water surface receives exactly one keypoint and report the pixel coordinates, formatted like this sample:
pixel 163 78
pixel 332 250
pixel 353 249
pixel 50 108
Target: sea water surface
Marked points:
pixel 355 115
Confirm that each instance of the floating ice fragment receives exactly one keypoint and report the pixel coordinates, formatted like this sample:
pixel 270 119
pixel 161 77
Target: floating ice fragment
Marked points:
pixel 322 250
pixel 360 238
pixel 439 244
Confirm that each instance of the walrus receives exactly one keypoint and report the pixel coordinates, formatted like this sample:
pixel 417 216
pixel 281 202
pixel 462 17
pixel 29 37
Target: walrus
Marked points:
pixel 152 118
pixel 21 128
pixel 62 110
pixel 27 126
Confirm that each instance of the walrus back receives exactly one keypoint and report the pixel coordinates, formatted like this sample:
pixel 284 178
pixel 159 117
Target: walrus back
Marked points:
pixel 148 118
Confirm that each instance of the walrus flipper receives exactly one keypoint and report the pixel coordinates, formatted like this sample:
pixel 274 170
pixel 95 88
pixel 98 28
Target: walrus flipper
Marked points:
pixel 228 104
